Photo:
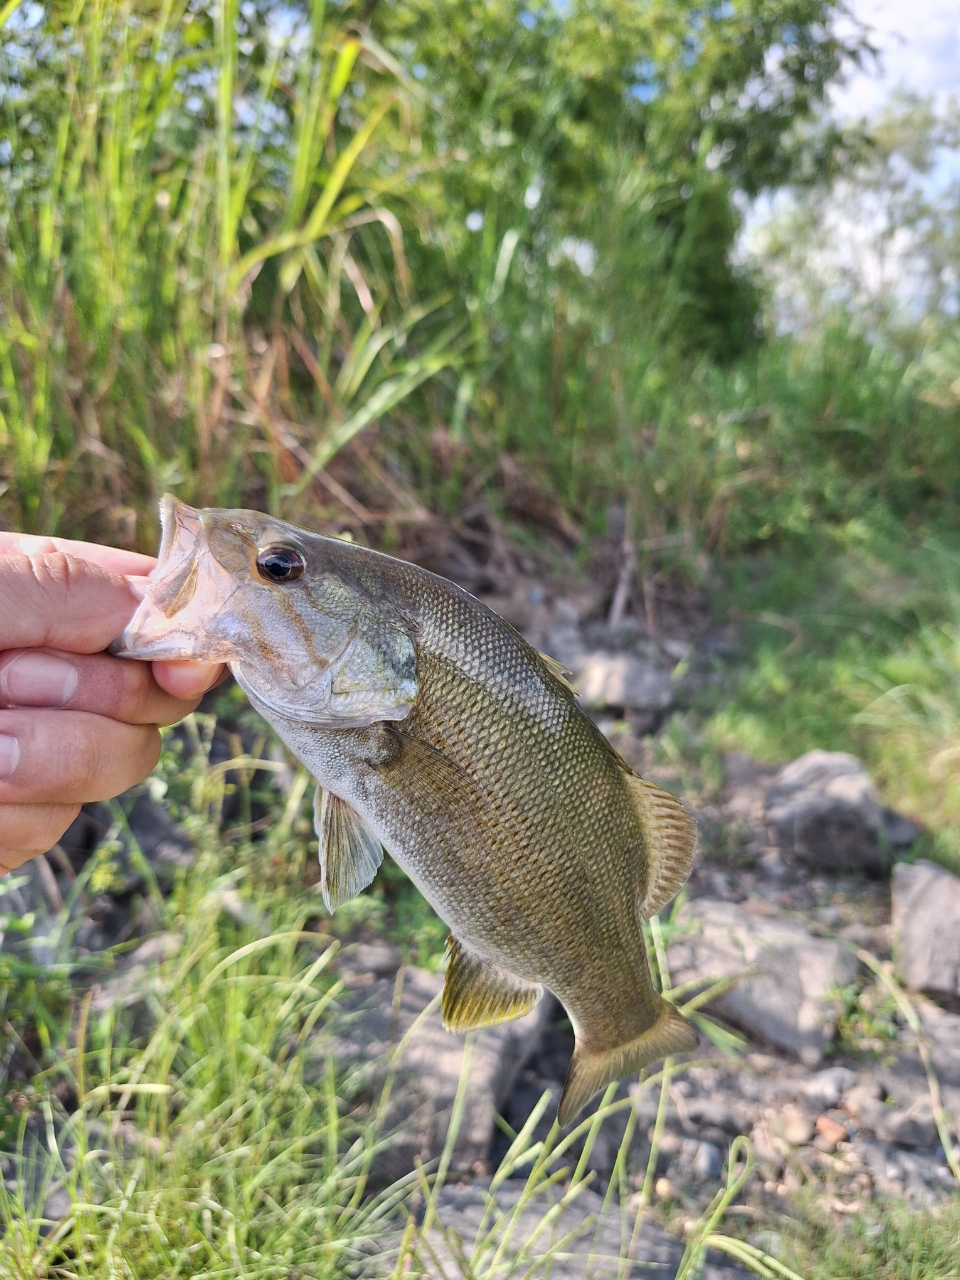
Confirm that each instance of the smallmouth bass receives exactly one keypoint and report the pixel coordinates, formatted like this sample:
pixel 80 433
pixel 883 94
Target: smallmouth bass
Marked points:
pixel 436 732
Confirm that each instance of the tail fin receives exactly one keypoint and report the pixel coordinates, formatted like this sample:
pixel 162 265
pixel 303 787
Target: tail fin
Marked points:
pixel 590 1072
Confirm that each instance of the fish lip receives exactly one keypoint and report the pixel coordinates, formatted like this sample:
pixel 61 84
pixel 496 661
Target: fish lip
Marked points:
pixel 180 541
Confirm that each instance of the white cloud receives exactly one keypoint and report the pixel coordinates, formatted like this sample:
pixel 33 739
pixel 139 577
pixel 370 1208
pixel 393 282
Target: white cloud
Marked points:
pixel 919 43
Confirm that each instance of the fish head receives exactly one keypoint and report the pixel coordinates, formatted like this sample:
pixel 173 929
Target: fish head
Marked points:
pixel 304 636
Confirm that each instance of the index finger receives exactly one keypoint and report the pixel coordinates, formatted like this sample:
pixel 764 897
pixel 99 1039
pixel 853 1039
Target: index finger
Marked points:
pixel 129 563
pixel 56 601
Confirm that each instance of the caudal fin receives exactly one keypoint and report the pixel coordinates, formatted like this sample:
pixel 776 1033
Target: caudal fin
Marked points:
pixel 591 1072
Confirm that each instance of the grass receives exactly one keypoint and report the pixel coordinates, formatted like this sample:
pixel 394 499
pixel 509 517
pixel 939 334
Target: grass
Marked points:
pixel 193 205
pixel 205 1128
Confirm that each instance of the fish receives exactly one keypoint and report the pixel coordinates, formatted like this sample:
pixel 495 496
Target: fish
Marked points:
pixel 437 733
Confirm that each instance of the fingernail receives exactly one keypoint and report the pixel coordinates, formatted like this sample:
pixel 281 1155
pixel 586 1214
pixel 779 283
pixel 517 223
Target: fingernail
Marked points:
pixel 9 755
pixel 38 680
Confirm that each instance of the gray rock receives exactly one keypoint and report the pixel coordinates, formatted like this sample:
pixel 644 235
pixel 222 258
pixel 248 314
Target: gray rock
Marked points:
pixel 941 1029
pixel 379 958
pixel 784 999
pixel 914 1127
pixel 826 1088
pixel 823 809
pixel 708 1162
pixel 926 928
pixel 622 681
pixel 714 1113
pixel 598 1251
pixel 384 1017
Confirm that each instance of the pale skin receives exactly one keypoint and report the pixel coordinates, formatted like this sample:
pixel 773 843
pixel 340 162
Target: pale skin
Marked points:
pixel 76 723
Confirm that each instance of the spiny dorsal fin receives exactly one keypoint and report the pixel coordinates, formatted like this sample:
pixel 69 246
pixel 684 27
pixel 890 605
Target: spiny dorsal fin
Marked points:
pixel 670 844
pixel 558 671
pixel 349 855
pixel 478 993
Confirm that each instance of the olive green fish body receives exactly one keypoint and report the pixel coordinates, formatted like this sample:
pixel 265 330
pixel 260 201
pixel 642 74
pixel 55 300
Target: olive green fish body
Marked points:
pixel 484 780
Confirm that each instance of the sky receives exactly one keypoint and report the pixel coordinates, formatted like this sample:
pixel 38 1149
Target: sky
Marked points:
pixel 920 45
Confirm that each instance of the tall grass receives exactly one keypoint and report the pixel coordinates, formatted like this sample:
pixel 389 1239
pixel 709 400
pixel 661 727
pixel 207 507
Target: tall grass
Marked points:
pixel 203 283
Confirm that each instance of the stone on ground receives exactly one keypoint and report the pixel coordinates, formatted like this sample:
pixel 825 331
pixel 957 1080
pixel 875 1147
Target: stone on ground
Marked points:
pixel 926 928
pixel 784 999
pixel 823 810
pixel 385 1015
pixel 624 682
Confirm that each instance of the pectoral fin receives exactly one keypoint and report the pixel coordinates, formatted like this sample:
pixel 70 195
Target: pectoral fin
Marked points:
pixel 430 782
pixel 669 845
pixel 349 855
pixel 478 993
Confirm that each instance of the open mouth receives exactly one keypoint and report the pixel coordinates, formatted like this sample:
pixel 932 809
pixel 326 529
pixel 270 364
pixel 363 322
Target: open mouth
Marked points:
pixel 186 590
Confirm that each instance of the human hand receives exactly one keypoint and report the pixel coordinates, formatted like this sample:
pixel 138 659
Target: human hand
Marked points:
pixel 76 723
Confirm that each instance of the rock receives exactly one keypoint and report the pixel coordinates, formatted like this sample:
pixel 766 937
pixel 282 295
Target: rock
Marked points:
pixel 926 928
pixel 830 1132
pixel 713 1113
pixel 795 1127
pixel 624 682
pixel 377 1016
pixel 864 1098
pixel 784 999
pixel 914 1127
pixel 826 1088
pixel 708 1161
pixel 941 1029
pixel 379 958
pixel 823 809
pixel 595 1250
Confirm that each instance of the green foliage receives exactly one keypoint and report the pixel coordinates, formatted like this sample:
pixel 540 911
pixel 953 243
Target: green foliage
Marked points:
pixel 192 202
pixel 892 1242
pixel 541 97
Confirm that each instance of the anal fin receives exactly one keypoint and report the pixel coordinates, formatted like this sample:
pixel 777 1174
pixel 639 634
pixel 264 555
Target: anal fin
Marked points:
pixel 349 855
pixel 478 993
pixel 669 845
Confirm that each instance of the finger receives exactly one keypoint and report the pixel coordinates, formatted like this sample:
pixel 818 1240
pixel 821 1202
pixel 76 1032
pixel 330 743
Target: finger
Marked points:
pixel 107 686
pixel 68 757
pixel 29 829
pixel 129 563
pixel 54 601
pixel 188 680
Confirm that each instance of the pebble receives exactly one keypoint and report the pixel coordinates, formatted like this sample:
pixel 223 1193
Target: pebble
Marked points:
pixel 830 1132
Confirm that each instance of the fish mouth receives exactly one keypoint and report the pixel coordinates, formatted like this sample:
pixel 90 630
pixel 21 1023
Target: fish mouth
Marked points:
pixel 186 590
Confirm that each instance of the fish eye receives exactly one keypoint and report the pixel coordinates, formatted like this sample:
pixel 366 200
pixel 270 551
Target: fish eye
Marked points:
pixel 280 564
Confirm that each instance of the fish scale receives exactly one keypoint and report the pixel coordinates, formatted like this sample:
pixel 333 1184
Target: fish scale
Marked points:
pixel 437 732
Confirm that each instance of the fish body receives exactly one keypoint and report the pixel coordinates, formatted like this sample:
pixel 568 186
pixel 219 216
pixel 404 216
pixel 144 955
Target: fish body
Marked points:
pixel 436 732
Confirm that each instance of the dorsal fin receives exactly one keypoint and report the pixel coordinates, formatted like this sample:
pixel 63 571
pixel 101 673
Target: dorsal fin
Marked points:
pixel 478 993
pixel 669 847
pixel 557 670
pixel 349 855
